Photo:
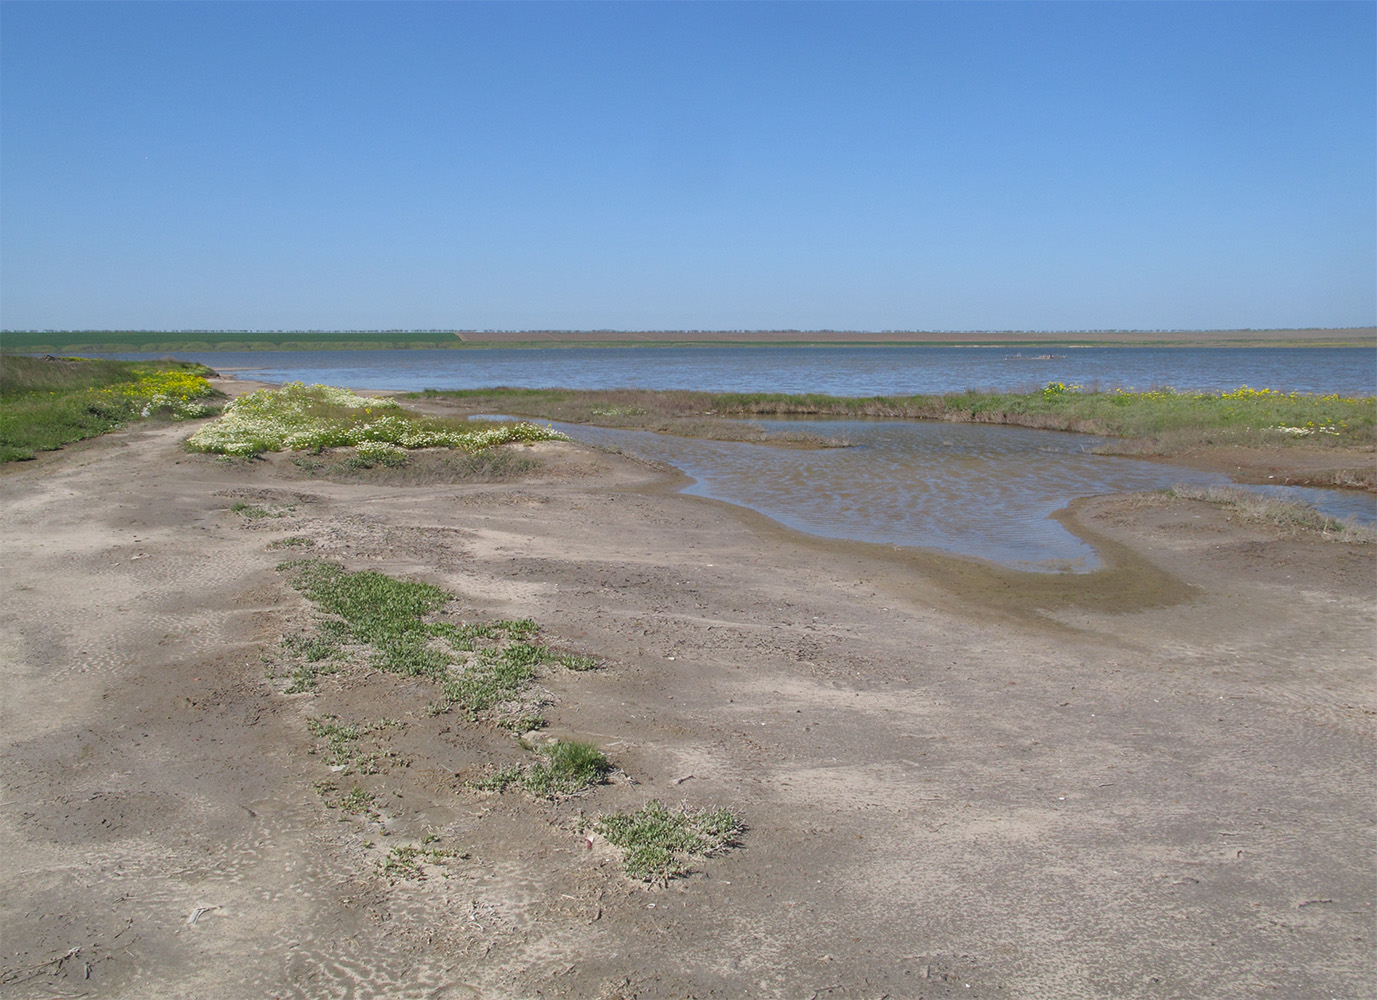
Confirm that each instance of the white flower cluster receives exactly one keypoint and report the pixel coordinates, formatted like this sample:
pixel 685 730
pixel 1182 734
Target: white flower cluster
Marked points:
pixel 297 417
pixel 378 450
pixel 1304 431
pixel 180 408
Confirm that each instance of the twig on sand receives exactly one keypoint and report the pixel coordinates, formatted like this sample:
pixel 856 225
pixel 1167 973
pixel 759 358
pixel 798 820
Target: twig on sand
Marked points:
pixel 197 913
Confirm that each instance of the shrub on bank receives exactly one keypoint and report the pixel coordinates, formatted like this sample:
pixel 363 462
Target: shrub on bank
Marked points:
pixel 299 417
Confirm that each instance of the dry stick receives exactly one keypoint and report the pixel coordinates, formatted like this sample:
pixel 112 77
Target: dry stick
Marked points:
pixel 196 913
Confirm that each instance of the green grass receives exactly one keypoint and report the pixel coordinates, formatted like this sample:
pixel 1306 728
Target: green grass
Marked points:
pixel 659 844
pixel 481 669
pixel 1160 420
pixel 563 768
pixel 297 417
pixel 48 403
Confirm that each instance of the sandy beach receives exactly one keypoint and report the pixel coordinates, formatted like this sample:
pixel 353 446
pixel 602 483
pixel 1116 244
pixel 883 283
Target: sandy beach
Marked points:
pixel 1152 781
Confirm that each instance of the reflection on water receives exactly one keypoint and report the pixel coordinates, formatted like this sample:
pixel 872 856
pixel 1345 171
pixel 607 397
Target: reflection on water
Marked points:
pixel 972 489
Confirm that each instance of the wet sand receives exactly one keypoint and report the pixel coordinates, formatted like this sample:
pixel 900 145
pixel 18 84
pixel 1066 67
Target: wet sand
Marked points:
pixel 1151 781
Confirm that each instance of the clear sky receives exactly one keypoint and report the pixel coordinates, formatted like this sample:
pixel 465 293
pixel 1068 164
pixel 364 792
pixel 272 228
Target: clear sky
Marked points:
pixel 688 166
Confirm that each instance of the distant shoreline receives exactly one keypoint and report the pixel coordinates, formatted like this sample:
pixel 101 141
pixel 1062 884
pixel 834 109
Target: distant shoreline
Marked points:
pixel 132 341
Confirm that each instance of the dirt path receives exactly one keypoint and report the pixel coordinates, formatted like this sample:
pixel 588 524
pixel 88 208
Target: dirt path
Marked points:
pixel 956 783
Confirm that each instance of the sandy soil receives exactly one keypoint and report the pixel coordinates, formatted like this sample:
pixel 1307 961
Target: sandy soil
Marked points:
pixel 1156 781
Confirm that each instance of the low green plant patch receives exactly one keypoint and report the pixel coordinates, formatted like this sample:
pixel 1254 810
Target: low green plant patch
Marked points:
pixel 563 768
pixel 659 844
pixel 256 512
pixel 577 661
pixel 357 800
pixel 298 417
pixel 46 403
pixel 495 677
pixel 339 743
pixel 120 341
pixel 412 861
pixel 312 655
pixel 481 669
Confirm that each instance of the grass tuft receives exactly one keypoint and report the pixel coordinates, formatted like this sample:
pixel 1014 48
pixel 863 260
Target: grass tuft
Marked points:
pixel 564 768
pixel 577 661
pixel 254 512
pixel 658 844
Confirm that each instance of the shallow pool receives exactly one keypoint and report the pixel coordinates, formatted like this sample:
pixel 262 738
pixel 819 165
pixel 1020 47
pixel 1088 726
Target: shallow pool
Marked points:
pixel 973 489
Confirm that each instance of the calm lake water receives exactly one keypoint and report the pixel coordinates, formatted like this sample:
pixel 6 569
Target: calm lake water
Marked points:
pixel 841 371
pixel 971 489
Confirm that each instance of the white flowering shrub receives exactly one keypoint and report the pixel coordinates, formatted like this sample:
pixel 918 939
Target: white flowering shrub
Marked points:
pixel 376 451
pixel 175 406
pixel 298 417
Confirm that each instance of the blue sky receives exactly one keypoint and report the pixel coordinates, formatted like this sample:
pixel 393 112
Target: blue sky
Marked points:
pixel 688 166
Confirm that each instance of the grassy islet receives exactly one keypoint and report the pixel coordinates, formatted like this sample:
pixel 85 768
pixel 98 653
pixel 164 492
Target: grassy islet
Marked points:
pixel 1159 421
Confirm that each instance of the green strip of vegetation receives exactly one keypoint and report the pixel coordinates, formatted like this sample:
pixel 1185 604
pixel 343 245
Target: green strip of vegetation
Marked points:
pixel 130 341
pixel 658 844
pixel 298 417
pixel 46 403
pixel 124 341
pixel 1160 421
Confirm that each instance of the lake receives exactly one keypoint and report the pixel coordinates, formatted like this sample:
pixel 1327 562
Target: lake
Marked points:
pixel 971 489
pixel 840 371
